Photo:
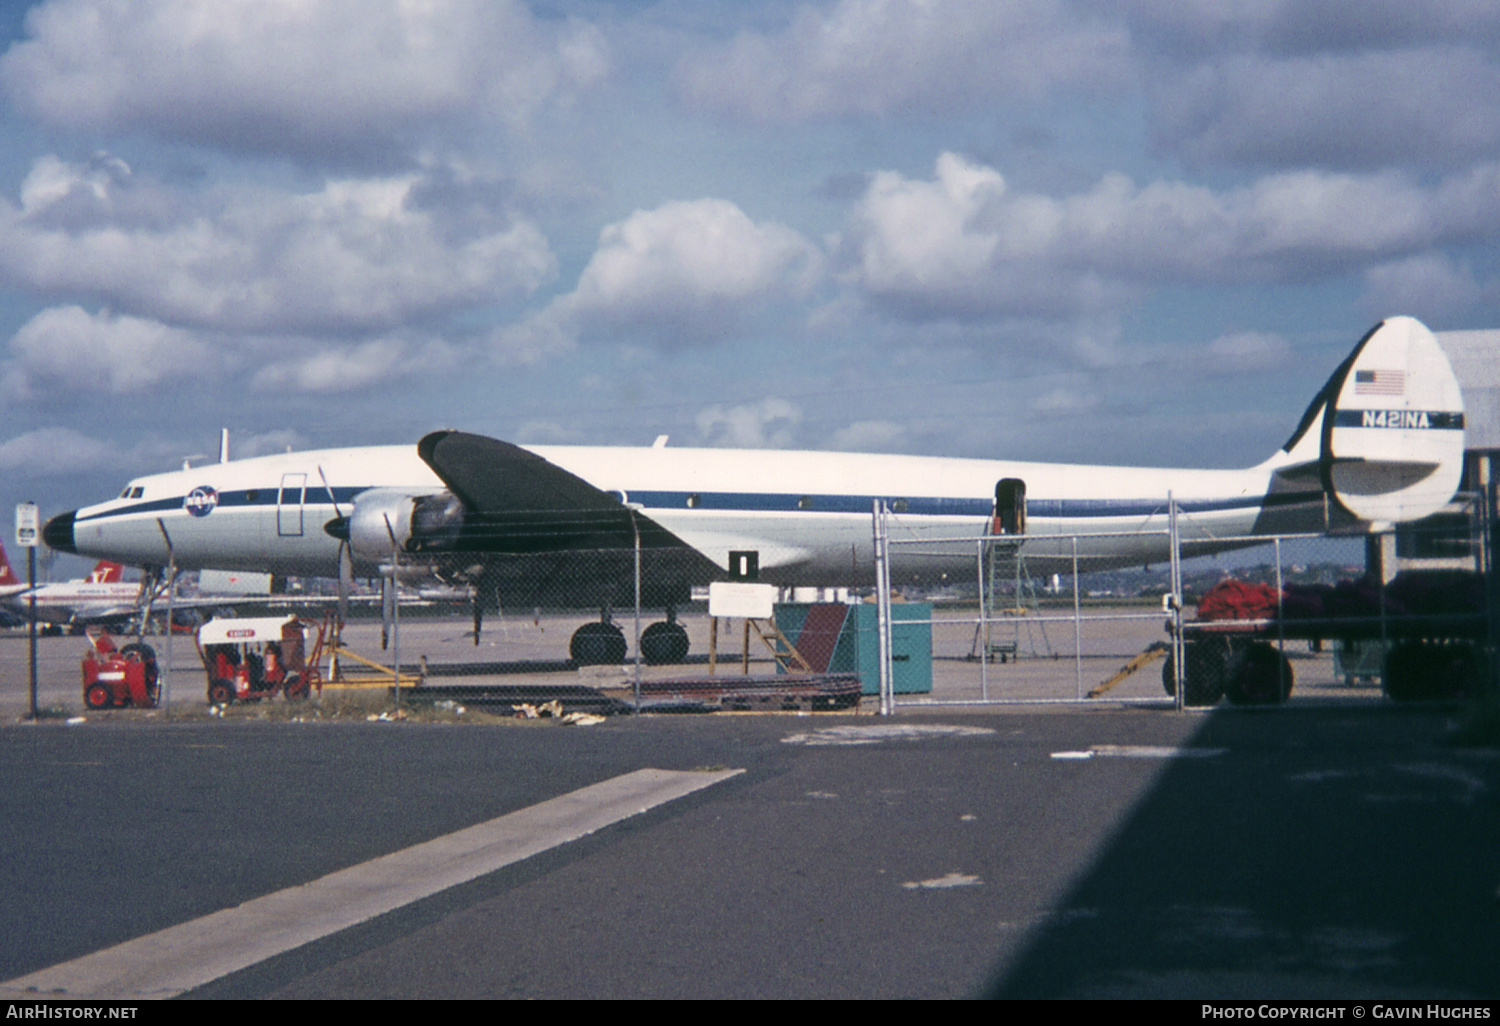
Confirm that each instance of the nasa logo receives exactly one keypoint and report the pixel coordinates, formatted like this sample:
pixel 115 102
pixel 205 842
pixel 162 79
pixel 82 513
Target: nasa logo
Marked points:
pixel 200 502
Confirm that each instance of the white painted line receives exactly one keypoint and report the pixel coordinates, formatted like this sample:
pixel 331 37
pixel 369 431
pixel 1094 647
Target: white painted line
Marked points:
pixel 874 735
pixel 943 883
pixel 1141 752
pixel 175 960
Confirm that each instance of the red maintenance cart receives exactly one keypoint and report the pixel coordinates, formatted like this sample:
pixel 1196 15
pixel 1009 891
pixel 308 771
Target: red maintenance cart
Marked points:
pixel 116 678
pixel 1429 625
pixel 258 657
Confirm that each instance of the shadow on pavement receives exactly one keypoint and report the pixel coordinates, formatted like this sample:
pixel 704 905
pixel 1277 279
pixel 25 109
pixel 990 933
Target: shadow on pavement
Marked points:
pixel 1325 853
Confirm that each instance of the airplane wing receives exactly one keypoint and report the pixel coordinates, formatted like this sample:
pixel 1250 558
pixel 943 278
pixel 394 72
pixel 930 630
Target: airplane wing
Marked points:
pixel 517 502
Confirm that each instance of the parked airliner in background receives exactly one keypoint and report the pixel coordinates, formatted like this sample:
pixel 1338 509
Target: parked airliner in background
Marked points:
pixel 1381 442
pixel 104 596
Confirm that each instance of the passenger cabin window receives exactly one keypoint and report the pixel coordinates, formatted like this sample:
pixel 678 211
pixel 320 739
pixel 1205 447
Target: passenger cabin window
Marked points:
pixel 805 502
pixel 899 506
pixel 693 501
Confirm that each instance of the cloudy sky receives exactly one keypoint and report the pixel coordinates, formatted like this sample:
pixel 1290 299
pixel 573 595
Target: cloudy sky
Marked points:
pixel 1140 231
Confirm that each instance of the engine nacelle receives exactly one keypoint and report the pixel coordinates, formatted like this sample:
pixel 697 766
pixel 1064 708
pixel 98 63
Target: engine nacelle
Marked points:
pixel 383 517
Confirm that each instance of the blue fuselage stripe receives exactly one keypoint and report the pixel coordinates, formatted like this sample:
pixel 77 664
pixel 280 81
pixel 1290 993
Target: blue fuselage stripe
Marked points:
pixel 774 502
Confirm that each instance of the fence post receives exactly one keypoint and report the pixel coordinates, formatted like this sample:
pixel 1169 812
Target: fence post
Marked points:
pixel 635 526
pixel 1077 629
pixel 1491 504
pixel 1282 666
pixel 1174 545
pixel 983 634
pixel 883 606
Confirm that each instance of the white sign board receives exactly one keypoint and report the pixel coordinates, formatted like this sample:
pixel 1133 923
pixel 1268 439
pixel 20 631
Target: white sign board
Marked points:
pixel 28 525
pixel 739 598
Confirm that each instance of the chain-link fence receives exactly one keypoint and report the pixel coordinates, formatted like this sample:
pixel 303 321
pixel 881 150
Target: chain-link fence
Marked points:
pixel 1163 616
pixel 1250 619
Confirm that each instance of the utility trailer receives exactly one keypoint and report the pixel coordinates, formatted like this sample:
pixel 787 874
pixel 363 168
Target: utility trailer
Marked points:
pixel 1431 626
pixel 251 658
pixel 118 678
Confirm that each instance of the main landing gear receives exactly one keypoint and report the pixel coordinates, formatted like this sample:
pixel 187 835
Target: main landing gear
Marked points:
pixel 603 643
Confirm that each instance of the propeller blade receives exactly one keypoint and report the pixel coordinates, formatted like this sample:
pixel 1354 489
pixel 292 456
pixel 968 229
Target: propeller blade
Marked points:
pixel 346 580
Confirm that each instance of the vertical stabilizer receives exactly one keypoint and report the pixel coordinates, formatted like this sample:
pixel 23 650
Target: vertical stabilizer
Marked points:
pixel 8 578
pixel 1393 433
pixel 105 572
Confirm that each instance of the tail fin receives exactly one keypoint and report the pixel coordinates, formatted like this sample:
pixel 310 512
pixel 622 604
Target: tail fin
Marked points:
pixel 105 572
pixel 8 576
pixel 1385 434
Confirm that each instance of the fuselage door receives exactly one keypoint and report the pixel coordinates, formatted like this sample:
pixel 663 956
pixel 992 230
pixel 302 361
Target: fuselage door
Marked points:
pixel 1010 507
pixel 289 505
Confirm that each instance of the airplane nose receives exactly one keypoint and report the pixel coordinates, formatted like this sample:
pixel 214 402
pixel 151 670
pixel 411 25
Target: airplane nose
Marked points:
pixel 58 532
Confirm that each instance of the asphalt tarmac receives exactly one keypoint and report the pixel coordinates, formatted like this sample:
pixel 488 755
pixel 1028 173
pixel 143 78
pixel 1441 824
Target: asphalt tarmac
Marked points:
pixel 1337 852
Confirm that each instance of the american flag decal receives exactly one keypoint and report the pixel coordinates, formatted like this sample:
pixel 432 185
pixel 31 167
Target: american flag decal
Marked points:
pixel 1379 382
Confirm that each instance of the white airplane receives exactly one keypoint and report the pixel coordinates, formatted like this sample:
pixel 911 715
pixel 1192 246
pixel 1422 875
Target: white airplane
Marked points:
pixel 101 597
pixel 1381 442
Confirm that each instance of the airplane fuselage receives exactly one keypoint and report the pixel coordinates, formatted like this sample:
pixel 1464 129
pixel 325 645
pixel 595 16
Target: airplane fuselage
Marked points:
pixel 807 514
pixel 82 601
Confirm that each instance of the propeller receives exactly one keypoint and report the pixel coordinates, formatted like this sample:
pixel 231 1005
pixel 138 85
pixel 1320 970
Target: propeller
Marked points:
pixel 346 558
pixel 389 596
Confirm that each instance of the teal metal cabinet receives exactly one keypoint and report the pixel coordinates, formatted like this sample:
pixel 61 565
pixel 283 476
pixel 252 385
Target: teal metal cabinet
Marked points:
pixel 851 643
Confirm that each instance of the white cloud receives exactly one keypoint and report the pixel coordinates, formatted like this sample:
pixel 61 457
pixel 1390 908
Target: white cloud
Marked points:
pixel 1435 106
pixel 1064 403
pixel 69 349
pixel 906 58
pixel 1246 351
pixel 332 370
pixel 769 424
pixel 51 181
pixel 962 245
pixel 1198 28
pixel 55 452
pixel 320 78
pixel 867 436
pixel 681 273
pixel 331 367
pixel 264 443
pixel 358 254
pixel 1428 286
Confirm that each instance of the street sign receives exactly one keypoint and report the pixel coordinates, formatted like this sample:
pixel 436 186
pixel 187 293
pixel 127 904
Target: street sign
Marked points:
pixel 28 525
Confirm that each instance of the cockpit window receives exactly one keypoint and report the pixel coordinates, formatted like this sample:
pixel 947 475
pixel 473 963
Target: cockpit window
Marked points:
pixel 133 491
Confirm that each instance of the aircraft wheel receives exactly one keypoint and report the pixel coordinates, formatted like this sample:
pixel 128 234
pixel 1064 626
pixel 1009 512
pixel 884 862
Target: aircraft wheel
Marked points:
pixel 1428 671
pixel 1470 670
pixel 220 692
pixel 1406 672
pixel 597 644
pixel 663 643
pixel 98 696
pixel 1261 676
pixel 1205 665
